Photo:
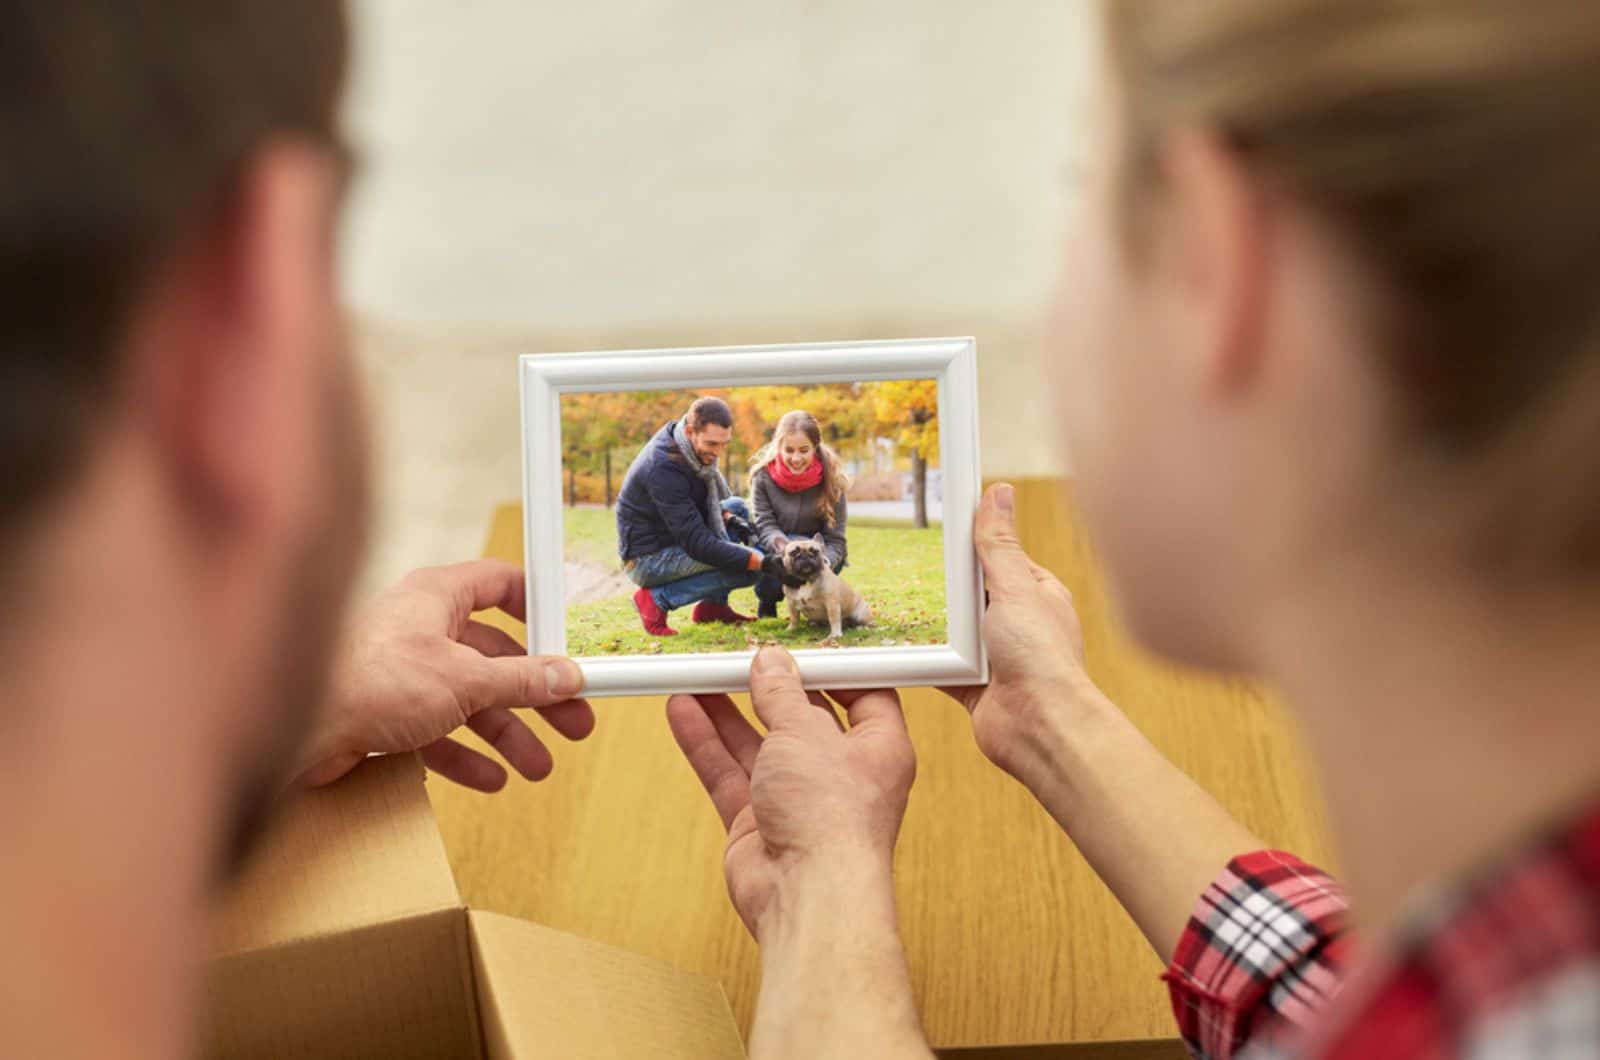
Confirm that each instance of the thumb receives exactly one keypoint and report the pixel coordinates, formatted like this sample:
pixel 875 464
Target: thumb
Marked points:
pixel 521 681
pixel 775 691
pixel 1007 571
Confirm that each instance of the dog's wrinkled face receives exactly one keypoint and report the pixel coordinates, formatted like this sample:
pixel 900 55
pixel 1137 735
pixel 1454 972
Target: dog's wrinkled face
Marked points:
pixel 804 558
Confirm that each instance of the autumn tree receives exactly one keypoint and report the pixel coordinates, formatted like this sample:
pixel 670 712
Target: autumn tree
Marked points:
pixel 596 428
pixel 599 429
pixel 575 421
pixel 844 413
pixel 907 410
pixel 614 417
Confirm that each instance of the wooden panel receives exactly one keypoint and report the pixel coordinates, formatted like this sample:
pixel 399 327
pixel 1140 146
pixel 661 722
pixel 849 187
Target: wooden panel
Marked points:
pixel 1011 938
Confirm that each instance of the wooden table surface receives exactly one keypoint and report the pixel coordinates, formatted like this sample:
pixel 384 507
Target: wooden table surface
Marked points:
pixel 1011 938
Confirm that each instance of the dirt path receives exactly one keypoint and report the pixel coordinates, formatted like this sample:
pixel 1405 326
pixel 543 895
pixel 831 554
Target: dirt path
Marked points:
pixel 590 581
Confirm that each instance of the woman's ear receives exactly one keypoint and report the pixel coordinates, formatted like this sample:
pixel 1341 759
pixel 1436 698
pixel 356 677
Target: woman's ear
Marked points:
pixel 1218 256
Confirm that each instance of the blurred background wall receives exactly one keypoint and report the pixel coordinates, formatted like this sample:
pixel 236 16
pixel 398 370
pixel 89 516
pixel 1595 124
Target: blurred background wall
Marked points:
pixel 563 175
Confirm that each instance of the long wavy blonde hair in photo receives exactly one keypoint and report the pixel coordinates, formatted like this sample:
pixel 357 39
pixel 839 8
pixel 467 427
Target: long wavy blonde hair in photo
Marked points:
pixel 835 480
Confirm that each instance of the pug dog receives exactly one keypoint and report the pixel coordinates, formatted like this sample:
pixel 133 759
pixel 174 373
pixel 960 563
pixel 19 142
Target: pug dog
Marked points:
pixel 815 593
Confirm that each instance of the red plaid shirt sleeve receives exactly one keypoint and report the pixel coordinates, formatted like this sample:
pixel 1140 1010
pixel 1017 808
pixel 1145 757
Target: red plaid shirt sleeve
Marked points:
pixel 1263 954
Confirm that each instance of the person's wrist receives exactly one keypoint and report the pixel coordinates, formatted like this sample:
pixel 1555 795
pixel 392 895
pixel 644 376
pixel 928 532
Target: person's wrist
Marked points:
pixel 1068 736
pixel 812 888
pixel 323 755
pixel 328 738
pixel 830 982
pixel 1060 712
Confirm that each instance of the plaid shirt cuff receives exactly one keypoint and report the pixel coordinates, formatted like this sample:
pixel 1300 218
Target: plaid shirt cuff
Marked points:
pixel 1263 952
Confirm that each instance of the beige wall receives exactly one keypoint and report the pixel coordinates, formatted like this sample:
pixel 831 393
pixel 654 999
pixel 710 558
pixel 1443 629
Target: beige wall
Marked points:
pixel 585 175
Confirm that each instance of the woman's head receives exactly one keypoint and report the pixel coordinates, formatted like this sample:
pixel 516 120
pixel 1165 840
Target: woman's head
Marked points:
pixel 796 443
pixel 1336 287
pixel 797 440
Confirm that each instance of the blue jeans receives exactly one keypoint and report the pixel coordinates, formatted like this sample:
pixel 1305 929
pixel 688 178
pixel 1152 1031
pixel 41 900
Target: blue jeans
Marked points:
pixel 675 579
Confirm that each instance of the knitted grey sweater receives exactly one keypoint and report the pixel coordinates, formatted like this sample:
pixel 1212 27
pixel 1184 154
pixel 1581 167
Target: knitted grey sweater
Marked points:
pixel 779 512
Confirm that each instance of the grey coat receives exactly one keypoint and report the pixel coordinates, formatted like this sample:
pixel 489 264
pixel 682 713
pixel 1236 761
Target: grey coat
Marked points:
pixel 781 513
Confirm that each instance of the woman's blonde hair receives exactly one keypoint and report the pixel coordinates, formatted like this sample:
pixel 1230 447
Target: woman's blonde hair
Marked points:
pixel 1455 147
pixel 835 480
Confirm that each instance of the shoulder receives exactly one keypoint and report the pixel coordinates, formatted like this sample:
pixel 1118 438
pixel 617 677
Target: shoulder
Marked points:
pixel 764 486
pixel 669 468
pixel 663 449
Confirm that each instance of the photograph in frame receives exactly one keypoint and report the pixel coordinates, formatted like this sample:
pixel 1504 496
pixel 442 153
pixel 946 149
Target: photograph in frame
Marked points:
pixel 684 507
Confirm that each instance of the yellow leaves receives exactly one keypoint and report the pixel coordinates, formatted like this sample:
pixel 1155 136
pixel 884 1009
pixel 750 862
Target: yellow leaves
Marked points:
pixel 909 408
pixel 856 419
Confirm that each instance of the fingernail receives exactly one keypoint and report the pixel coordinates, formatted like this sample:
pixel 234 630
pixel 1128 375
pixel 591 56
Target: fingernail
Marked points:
pixel 563 678
pixel 774 661
pixel 1005 498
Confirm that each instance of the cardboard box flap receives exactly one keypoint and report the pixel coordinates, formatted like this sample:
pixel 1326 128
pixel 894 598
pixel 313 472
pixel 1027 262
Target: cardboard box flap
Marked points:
pixel 400 990
pixel 362 851
pixel 544 993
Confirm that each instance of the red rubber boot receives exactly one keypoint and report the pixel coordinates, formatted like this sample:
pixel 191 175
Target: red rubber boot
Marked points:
pixel 655 619
pixel 706 611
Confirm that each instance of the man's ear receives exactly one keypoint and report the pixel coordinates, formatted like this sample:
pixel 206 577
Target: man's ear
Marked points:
pixel 234 337
pixel 1217 256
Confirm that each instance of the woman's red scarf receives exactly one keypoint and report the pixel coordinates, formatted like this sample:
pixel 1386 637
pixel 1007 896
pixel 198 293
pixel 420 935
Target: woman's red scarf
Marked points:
pixel 792 482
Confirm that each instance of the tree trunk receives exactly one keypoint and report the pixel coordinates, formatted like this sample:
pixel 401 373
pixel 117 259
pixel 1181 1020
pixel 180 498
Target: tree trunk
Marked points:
pixel 572 486
pixel 609 496
pixel 919 490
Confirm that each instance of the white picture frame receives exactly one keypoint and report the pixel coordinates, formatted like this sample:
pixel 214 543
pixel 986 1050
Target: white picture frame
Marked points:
pixel 950 361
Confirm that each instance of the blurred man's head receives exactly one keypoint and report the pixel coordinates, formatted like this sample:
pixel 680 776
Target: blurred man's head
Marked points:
pixel 709 424
pixel 176 401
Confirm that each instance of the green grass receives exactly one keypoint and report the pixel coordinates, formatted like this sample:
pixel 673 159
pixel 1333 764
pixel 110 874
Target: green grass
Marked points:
pixel 880 522
pixel 898 569
pixel 591 536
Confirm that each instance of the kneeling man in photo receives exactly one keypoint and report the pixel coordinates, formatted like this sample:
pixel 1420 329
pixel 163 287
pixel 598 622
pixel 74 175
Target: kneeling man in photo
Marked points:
pixel 672 528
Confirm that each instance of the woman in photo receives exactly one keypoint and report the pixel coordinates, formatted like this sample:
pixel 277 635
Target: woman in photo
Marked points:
pixel 797 489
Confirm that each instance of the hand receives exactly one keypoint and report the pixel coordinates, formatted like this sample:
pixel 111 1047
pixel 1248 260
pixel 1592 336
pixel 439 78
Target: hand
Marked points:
pixel 1035 646
pixel 772 566
pixel 416 667
pixel 810 793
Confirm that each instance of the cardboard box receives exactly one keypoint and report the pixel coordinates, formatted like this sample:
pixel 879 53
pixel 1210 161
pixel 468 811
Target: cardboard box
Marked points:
pixel 346 937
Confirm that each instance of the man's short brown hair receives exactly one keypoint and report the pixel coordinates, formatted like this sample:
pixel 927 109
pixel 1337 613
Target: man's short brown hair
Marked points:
pixel 709 410
pixel 122 125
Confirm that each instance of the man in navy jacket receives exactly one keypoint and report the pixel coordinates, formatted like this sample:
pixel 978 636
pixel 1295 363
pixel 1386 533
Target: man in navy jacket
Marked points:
pixel 671 523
